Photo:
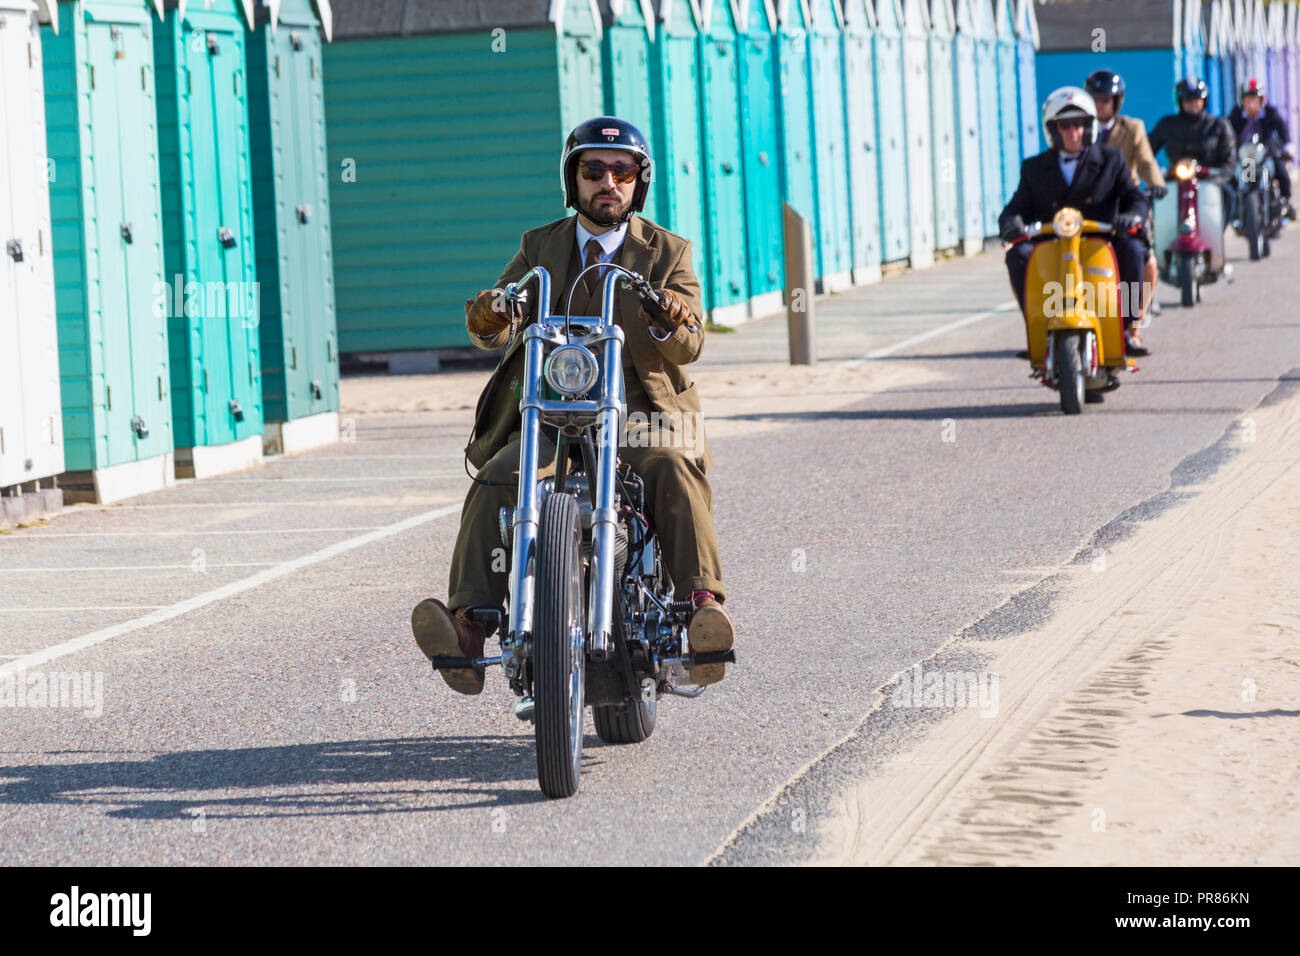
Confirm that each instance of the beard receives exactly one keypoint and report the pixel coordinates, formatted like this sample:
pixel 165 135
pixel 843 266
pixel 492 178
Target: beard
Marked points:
pixel 603 214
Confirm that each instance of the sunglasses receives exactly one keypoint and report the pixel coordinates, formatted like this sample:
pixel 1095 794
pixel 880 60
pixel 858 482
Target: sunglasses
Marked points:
pixel 594 171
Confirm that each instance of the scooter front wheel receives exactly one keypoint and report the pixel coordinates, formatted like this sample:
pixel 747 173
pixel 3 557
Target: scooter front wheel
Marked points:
pixel 1068 358
pixel 559 647
pixel 1187 279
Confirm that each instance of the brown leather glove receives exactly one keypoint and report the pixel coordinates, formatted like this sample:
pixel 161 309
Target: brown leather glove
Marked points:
pixel 481 318
pixel 673 312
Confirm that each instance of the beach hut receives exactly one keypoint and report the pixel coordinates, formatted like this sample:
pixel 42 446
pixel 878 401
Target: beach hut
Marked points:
pixel 207 203
pixel 860 136
pixel 1274 53
pixel 1291 57
pixel 1009 119
pixel 31 426
pixel 1193 39
pixel 677 137
pixel 626 46
pixel 1031 142
pixel 106 232
pixel 917 128
pixel 826 106
pixel 1143 42
pixel 1218 54
pixel 1243 58
pixel 966 119
pixel 724 186
pixel 1259 40
pixel 990 126
pixel 761 151
pixel 417 97
pixel 298 336
pixel 943 125
pixel 795 123
pixel 891 136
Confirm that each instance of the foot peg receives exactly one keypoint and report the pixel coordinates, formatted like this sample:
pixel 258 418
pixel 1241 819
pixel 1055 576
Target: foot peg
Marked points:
pixel 714 657
pixel 452 663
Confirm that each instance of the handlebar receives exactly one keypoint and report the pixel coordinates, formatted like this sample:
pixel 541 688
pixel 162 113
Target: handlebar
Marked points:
pixel 516 294
pixel 1088 227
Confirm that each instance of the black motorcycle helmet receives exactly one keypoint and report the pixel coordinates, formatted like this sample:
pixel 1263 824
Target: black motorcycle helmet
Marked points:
pixel 1106 83
pixel 1190 88
pixel 606 132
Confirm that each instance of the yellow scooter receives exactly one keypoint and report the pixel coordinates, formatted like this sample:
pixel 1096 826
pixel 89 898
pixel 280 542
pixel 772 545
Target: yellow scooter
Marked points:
pixel 1072 309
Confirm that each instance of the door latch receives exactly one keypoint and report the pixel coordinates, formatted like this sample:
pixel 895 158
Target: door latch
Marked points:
pixel 304 213
pixel 227 237
pixel 15 249
pixel 296 40
pixel 128 234
pixel 316 391
pixel 236 410
pixel 139 427
pixel 213 47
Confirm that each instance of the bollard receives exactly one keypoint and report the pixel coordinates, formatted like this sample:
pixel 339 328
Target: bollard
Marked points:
pixel 799 286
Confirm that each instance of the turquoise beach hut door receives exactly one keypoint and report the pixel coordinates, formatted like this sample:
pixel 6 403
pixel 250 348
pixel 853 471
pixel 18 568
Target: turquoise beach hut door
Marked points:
pixel 966 107
pixel 895 235
pixel 1026 78
pixel 629 27
pixel 860 120
pixel 762 158
pixel 1008 102
pixel 920 152
pixel 826 104
pixel 723 174
pixel 986 64
pixel 943 125
pixel 792 103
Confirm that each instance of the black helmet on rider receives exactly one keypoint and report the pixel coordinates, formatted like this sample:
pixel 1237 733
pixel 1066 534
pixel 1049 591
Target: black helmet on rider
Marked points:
pixel 606 132
pixel 1067 103
pixel 1106 83
pixel 1190 88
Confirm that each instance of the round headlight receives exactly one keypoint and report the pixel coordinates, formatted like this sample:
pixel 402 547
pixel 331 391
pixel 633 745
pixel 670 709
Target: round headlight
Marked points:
pixel 1185 169
pixel 571 370
pixel 1251 152
pixel 1067 222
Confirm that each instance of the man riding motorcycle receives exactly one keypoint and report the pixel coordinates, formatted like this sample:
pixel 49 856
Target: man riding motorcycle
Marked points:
pixel 605 172
pixel 1077 171
pixel 1255 115
pixel 1191 133
pixel 1128 134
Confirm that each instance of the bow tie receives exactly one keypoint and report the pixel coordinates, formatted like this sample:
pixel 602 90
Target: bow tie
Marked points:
pixel 1069 159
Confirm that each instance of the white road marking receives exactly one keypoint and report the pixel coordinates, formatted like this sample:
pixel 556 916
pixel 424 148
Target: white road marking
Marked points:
pixel 106 607
pixel 887 350
pixel 287 481
pixel 145 567
pixel 37 658
pixel 180 534
pixel 316 503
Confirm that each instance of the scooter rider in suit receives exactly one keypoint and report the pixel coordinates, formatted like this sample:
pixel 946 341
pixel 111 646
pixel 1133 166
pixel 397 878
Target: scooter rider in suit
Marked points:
pixel 1077 171
pixel 605 172
pixel 1128 134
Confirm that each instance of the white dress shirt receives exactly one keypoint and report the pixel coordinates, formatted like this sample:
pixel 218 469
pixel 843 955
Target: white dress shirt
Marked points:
pixel 610 242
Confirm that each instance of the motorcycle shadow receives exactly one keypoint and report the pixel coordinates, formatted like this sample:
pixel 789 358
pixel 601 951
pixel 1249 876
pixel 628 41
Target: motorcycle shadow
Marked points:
pixel 348 777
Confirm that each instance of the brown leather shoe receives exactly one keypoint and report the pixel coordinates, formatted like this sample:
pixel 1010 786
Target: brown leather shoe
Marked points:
pixel 710 629
pixel 439 633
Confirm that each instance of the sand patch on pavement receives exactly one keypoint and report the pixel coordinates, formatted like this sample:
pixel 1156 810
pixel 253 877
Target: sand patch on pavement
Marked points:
pixel 737 399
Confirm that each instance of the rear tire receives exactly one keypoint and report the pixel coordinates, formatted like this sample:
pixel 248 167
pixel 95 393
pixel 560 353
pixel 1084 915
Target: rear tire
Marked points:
pixel 559 647
pixel 1069 372
pixel 1187 279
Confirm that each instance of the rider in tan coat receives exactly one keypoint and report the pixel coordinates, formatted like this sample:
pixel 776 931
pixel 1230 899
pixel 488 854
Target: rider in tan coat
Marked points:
pixel 606 175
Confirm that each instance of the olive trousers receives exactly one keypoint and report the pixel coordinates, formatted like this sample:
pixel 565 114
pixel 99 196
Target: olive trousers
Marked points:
pixel 678 498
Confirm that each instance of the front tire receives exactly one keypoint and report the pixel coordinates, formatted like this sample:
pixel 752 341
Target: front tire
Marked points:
pixel 1187 279
pixel 559 647
pixel 1069 372
pixel 628 723
pixel 1252 226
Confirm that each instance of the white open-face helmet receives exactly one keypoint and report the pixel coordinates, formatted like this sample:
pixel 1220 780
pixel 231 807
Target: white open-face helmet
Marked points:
pixel 1065 102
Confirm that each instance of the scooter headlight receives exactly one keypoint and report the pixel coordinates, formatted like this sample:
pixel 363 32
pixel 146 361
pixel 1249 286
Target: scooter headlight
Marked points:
pixel 1251 153
pixel 1185 169
pixel 571 370
pixel 1067 222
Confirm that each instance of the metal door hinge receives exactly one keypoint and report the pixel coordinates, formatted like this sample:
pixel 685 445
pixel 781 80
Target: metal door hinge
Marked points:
pixel 15 249
pixel 139 427
pixel 293 356
pixel 236 410
pixel 108 396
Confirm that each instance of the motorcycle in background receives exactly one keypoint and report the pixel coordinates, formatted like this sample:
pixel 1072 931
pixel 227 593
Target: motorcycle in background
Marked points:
pixel 1263 210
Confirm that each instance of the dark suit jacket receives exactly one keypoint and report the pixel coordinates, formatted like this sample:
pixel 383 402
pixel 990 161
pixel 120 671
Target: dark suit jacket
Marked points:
pixel 662 257
pixel 1207 139
pixel 1102 188
pixel 1272 123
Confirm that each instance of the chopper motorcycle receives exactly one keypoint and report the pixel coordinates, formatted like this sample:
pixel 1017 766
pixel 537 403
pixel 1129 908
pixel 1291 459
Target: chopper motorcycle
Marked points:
pixel 1262 209
pixel 1072 317
pixel 590 618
